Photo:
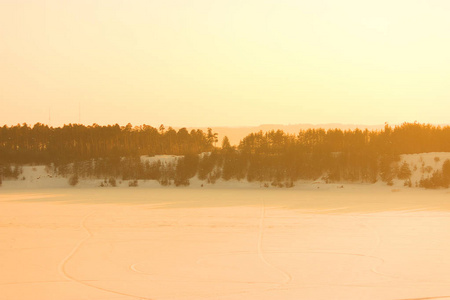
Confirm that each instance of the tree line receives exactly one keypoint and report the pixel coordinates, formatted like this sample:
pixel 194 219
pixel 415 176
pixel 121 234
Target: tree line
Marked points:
pixel 41 144
pixel 281 159
pixel 273 157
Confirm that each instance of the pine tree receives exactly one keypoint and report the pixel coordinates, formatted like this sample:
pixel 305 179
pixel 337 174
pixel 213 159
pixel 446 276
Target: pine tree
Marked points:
pixel 226 143
pixel 404 171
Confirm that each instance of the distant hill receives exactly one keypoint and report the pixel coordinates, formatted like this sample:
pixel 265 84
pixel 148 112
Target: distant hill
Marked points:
pixel 235 134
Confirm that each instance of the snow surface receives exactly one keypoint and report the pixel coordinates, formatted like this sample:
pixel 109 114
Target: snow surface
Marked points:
pixel 359 242
pixel 231 240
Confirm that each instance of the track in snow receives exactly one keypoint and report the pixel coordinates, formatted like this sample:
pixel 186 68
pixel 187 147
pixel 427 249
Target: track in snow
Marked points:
pixel 63 263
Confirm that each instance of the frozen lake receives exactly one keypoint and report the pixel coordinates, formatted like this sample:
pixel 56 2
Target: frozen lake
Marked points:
pixel 361 242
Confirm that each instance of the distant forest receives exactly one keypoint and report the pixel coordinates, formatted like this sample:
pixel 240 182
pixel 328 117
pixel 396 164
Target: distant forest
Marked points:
pixel 42 144
pixel 273 157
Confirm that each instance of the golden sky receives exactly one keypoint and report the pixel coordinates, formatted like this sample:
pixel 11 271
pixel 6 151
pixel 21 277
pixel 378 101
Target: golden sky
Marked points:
pixel 227 62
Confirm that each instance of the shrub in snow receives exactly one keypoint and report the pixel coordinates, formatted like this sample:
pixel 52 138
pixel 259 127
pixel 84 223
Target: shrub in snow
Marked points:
pixel 404 172
pixel 435 181
pixel 181 182
pixel 446 170
pixel 164 181
pixel 289 184
pixel 73 180
pixel 112 182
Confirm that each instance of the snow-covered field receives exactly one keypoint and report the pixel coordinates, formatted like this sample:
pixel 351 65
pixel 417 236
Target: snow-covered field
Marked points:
pixel 421 165
pixel 359 242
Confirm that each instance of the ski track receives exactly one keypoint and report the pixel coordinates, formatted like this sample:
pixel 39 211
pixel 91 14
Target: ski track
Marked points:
pixel 260 252
pixel 135 269
pixel 374 248
pixel 375 269
pixel 286 275
pixel 63 263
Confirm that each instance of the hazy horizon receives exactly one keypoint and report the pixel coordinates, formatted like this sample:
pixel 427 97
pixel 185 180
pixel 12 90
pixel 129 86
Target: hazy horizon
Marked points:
pixel 325 125
pixel 224 63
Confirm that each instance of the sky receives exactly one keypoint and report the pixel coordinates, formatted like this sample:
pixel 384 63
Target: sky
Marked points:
pixel 224 63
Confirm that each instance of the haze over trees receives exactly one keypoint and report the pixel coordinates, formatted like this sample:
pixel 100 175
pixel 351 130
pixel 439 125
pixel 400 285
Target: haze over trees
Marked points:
pixel 276 157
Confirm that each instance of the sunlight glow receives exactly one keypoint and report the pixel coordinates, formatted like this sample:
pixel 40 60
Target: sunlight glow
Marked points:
pixel 207 63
